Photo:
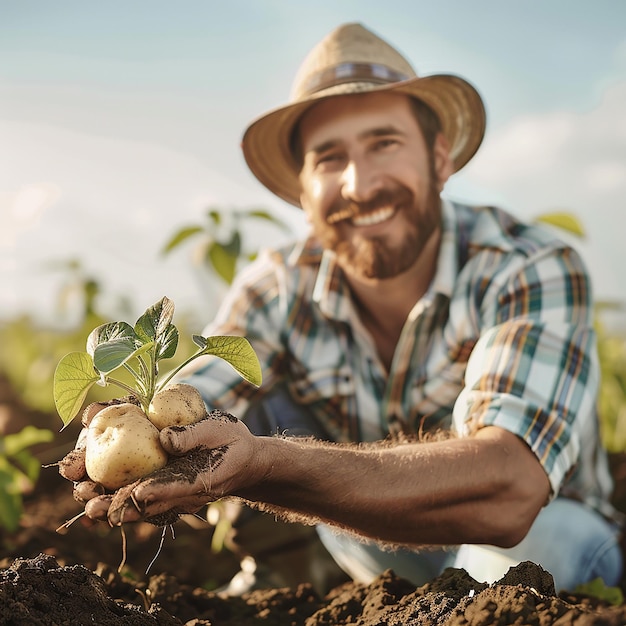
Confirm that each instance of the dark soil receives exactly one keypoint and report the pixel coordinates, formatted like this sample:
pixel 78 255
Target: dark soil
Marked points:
pixel 40 591
pixel 71 577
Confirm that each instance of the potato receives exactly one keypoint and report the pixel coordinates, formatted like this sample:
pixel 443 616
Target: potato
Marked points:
pixel 176 405
pixel 122 446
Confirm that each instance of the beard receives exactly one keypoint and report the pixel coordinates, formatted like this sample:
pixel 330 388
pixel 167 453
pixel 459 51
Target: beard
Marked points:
pixel 376 257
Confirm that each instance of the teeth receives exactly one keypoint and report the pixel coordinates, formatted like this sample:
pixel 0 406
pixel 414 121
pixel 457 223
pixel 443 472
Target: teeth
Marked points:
pixel 340 215
pixel 376 217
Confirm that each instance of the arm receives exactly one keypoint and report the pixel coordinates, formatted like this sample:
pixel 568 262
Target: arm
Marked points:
pixel 484 489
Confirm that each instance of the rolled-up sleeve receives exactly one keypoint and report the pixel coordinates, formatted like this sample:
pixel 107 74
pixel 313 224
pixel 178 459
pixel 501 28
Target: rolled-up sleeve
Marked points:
pixel 534 370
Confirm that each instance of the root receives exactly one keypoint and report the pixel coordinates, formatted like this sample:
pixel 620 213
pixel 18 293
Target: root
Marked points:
pixel 124 550
pixel 200 517
pixel 145 598
pixel 69 522
pixel 160 548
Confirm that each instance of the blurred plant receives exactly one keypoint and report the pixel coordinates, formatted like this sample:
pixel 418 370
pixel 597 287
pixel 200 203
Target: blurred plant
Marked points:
pixel 19 470
pixel 30 352
pixel 563 220
pixel 220 244
pixel 612 401
pixel 597 588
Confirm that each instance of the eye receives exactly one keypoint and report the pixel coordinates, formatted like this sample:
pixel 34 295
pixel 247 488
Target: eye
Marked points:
pixel 328 160
pixel 385 142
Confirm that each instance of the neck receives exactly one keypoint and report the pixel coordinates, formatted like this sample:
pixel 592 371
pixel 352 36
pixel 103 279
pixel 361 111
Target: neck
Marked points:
pixel 384 305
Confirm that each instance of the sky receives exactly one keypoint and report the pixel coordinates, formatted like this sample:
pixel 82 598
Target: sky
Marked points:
pixel 121 122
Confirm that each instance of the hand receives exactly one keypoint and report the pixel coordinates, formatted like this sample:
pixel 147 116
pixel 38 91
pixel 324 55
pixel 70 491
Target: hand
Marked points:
pixel 211 459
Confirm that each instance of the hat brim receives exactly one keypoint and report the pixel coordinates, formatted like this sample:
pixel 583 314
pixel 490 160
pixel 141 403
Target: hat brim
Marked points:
pixel 459 107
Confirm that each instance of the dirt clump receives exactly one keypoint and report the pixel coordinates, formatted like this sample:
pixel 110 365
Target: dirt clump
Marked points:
pixel 42 592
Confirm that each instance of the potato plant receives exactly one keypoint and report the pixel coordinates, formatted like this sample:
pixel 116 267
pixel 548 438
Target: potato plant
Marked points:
pixel 122 440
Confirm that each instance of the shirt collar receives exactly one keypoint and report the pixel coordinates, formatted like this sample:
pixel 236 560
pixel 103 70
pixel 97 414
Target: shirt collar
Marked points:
pixel 448 259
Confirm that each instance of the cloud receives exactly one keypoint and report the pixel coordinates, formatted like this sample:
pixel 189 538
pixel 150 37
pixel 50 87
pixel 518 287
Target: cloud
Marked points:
pixel 578 157
pixel 571 161
pixel 109 202
pixel 23 209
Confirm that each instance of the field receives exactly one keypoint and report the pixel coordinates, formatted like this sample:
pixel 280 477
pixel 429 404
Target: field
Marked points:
pixel 71 577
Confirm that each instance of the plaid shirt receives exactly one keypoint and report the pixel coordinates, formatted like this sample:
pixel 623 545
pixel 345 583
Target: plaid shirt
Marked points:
pixel 502 337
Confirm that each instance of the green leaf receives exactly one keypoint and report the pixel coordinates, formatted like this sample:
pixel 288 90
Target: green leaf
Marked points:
pixel 597 588
pixel 110 355
pixel 233 247
pixel 167 346
pixel 154 323
pixel 25 438
pixel 108 332
pixel 223 261
pixel 10 501
pixel 73 377
pixel 180 237
pixel 238 353
pixel 215 216
pixel 28 464
pixel 199 340
pixel 609 305
pixel 564 221
pixel 264 215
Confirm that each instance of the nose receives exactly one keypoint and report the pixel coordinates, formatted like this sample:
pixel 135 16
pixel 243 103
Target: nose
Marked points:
pixel 360 181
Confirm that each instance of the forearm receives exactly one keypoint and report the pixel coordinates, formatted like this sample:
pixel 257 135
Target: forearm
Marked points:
pixel 449 492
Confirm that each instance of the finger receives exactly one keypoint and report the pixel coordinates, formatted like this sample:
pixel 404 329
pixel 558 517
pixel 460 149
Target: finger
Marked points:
pixel 93 409
pixel 86 490
pixel 72 465
pixel 152 498
pixel 213 431
pixel 183 486
pixel 125 507
pixel 158 513
pixel 97 508
pixel 122 507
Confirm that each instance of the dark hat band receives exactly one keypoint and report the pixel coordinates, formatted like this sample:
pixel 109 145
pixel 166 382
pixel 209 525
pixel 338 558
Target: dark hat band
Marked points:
pixel 351 73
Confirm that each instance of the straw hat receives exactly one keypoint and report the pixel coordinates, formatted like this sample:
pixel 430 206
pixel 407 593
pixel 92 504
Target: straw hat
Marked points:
pixel 352 59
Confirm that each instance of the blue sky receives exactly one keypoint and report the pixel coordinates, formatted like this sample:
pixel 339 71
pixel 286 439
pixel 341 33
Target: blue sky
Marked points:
pixel 120 122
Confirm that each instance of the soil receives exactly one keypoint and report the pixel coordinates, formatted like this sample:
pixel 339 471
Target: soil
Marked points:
pixel 71 576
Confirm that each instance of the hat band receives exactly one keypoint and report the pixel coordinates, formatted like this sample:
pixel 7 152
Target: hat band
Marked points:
pixel 350 73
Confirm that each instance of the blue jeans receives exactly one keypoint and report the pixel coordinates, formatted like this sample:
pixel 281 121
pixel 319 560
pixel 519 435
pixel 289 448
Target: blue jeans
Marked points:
pixel 569 540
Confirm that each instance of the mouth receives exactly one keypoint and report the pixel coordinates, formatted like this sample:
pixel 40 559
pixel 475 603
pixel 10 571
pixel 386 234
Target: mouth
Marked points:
pixel 375 217
pixel 365 219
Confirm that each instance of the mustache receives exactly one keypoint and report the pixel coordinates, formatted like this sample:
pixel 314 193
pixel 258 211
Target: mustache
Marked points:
pixel 343 209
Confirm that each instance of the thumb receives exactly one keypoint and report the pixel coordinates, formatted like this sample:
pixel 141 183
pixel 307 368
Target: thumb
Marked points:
pixel 213 431
pixel 178 440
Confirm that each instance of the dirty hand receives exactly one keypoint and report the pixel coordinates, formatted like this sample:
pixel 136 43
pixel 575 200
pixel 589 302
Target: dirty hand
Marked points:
pixel 210 459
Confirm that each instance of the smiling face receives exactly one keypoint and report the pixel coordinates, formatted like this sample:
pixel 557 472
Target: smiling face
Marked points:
pixel 370 186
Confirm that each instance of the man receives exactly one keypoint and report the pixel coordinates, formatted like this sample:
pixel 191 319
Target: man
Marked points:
pixel 457 335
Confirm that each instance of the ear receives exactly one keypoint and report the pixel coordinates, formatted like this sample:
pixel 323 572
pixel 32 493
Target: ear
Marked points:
pixel 443 165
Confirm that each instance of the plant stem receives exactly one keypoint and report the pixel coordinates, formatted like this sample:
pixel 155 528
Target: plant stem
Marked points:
pixel 131 390
pixel 173 373
pixel 132 372
pixel 144 368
